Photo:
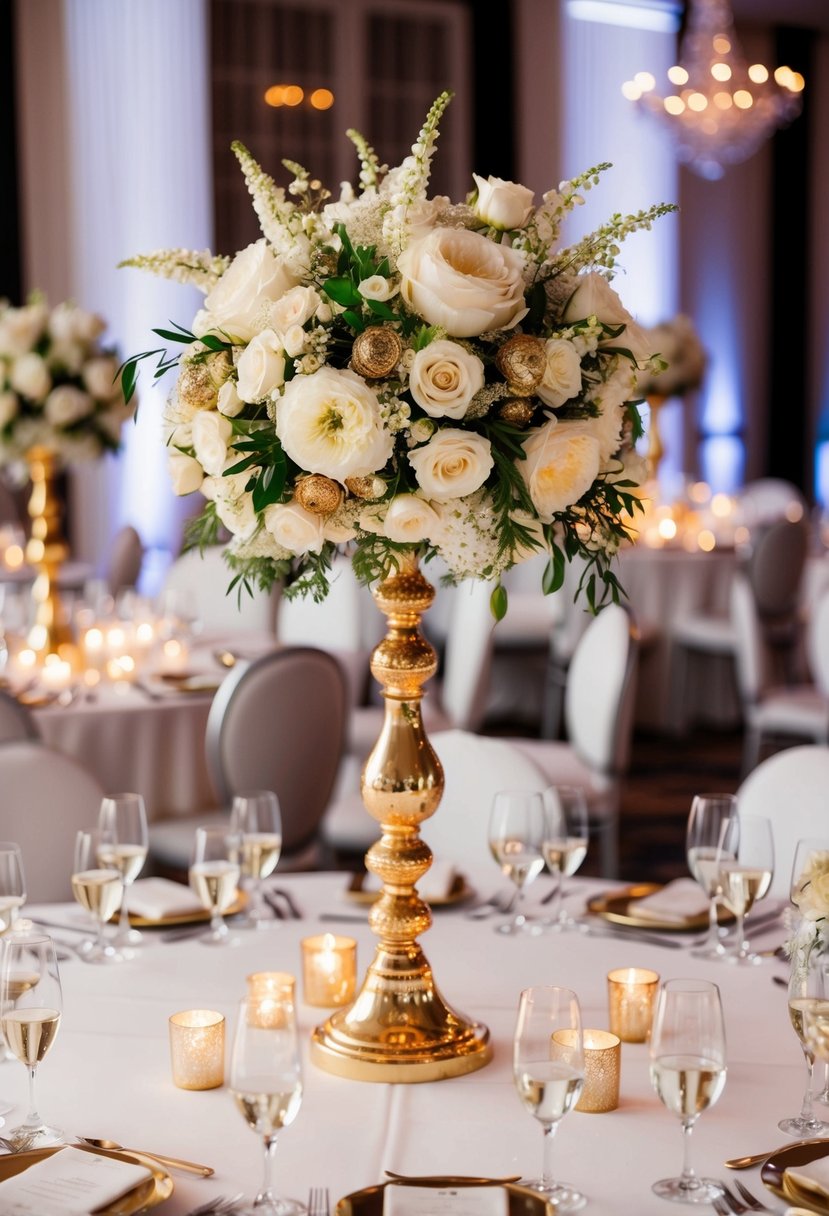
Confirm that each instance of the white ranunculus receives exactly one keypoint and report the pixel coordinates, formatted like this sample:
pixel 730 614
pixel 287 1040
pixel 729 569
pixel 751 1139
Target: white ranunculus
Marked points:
pixel 9 408
pixel 261 367
pixel 410 520
pixel 99 377
pixel 294 528
pixel 254 277
pixel 444 378
pixel 594 297
pixel 67 405
pixel 211 435
pixel 562 462
pixel 68 323
pixel 376 287
pixel 452 464
pixel 463 282
pixel 20 328
pixel 294 308
pixel 330 422
pixel 30 377
pixel 503 205
pixel 562 373
pixel 229 402
pixel 186 474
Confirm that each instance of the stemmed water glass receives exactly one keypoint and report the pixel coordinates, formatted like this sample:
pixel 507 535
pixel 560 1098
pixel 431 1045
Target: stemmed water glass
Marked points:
pixel 807 990
pixel 687 1067
pixel 214 877
pixel 516 835
pixel 99 890
pixel 565 843
pixel 30 1011
pixel 122 846
pixel 548 1069
pixel 712 834
pixel 266 1081
pixel 256 820
pixel 746 877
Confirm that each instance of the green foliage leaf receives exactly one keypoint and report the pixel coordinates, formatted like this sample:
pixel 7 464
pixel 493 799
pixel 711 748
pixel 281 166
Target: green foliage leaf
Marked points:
pixel 553 578
pixel 342 291
pixel 498 602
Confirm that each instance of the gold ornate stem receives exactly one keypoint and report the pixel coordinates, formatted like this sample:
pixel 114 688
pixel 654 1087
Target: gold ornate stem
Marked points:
pixel 399 1028
pixel 656 449
pixel 47 551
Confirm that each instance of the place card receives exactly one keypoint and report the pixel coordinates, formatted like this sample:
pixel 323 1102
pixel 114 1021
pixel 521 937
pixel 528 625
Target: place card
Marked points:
pixel 402 1200
pixel 71 1182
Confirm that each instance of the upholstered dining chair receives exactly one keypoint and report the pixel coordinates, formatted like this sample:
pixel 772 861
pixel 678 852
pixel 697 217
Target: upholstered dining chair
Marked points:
pixel 16 721
pixel 207 576
pixel 125 559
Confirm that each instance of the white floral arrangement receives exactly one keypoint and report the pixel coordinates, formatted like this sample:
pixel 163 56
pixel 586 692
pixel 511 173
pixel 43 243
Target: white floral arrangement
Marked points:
pixel 809 926
pixel 393 372
pixel 59 388
pixel 684 356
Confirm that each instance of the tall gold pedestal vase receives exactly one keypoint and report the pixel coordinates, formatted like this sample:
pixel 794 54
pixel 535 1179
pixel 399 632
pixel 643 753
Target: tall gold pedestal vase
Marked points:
pixel 46 551
pixel 399 1028
pixel 656 448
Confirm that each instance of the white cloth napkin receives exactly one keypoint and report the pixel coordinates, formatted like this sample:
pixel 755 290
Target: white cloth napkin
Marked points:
pixel 155 898
pixel 436 883
pixel 813 1176
pixel 71 1182
pixel 677 902
pixel 401 1200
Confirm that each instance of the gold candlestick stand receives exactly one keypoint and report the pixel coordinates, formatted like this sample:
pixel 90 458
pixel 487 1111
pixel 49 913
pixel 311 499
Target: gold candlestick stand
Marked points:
pixel 47 551
pixel 399 1028
pixel 656 449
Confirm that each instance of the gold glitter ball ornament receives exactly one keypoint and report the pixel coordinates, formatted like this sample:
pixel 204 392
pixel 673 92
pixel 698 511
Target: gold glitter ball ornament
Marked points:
pixel 317 494
pixel 376 351
pixel 362 487
pixel 522 362
pixel 517 411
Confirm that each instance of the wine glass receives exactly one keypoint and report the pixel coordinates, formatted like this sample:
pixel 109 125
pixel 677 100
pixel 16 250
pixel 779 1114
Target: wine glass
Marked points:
pixel 712 832
pixel 122 846
pixel 214 877
pixel 687 1067
pixel 807 989
pixel 30 1011
pixel 548 1069
pixel 99 890
pixel 516 834
pixel 12 884
pixel 255 819
pixel 266 1081
pixel 746 877
pixel 565 843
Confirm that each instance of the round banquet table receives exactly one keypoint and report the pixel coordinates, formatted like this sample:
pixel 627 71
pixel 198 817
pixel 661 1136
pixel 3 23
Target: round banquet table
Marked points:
pixel 108 1074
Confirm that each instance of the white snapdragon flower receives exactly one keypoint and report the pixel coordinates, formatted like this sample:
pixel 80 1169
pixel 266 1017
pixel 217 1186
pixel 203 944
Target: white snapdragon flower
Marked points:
pixel 562 373
pixel 66 405
pixel 294 528
pixel 452 464
pixel 444 377
pixel 211 436
pixel 501 204
pixel 561 463
pixel 30 377
pixel 186 474
pixel 261 367
pixel 410 519
pixel 331 423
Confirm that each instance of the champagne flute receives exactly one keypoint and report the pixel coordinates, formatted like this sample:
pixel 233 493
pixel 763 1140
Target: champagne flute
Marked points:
pixel 214 877
pixel 687 1068
pixel 30 1011
pixel 565 843
pixel 266 1081
pixel 99 890
pixel 746 877
pixel 256 820
pixel 548 1069
pixel 516 834
pixel 122 846
pixel 712 833
pixel 811 861
pixel 807 990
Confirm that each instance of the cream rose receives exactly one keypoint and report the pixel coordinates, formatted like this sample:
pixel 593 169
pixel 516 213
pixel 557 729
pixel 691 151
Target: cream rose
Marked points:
pixel 294 528
pixel 330 422
pixel 409 520
pixel 293 340
pixel 99 378
pixel 562 462
pixel 294 308
pixel 186 474
pixel 594 297
pixel 9 408
pixel 229 402
pixel 239 299
pixel 20 328
pixel 452 464
pixel 503 205
pixel 30 377
pixel 444 378
pixel 261 367
pixel 67 405
pixel 68 323
pixel 211 435
pixel 376 287
pixel 562 373
pixel 461 281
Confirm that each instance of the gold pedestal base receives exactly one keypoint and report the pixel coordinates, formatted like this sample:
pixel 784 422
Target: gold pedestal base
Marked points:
pixel 46 550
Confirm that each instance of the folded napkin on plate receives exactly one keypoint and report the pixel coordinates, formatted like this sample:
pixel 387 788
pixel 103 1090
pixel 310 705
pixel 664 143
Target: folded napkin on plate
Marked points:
pixel 436 883
pixel 419 1200
pixel 71 1182
pixel 155 898
pixel 678 901
pixel 813 1176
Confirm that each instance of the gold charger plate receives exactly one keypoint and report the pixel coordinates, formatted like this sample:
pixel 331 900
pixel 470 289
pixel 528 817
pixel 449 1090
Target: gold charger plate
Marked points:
pixel 619 907
pixel 773 1174
pixel 369 1201
pixel 458 891
pixel 148 1194
pixel 196 916
pixel 190 681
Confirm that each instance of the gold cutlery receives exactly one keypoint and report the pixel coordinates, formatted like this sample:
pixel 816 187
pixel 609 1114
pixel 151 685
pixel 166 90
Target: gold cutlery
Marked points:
pixel 743 1163
pixel 177 1163
pixel 449 1179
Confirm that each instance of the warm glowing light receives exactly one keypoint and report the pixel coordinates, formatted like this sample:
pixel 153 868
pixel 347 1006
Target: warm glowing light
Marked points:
pixel 631 90
pixel 794 512
pixel 743 99
pixel 741 535
pixel 783 76
pixel 721 506
pixel 700 492
pixel 26 658
pixel 677 75
pixel 275 95
pixel 758 73
pixel 720 71
pixel 707 541
pixel 322 99
pixel 292 95
pixel 13 557
pixel 645 81
pixel 723 101
pixel 667 529
pixel 722 45
pixel 697 102
pixel 144 632
pixel 798 82
pixel 674 105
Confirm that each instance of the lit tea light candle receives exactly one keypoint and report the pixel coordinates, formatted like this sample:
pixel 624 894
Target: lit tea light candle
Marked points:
pixel 174 656
pixel 329 970
pixel 602 1066
pixel 270 995
pixel 631 993
pixel 92 644
pixel 56 673
pixel 197 1049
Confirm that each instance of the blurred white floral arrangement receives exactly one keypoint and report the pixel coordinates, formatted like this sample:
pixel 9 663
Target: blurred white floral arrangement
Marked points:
pixel 810 896
pixel 397 372
pixel 59 388
pixel 679 346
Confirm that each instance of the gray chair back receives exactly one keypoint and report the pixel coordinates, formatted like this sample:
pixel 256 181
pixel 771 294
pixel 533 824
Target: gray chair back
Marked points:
pixel 125 559
pixel 16 721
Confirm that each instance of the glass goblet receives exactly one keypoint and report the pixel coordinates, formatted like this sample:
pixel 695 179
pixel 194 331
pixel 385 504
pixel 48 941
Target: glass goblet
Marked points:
pixel 122 846
pixel 255 818
pixel 807 990
pixel 516 835
pixel 746 877
pixel 214 877
pixel 564 845
pixel 712 834
pixel 99 890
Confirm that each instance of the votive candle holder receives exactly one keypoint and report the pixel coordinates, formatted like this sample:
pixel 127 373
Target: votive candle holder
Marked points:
pixel 631 993
pixel 329 970
pixel 270 995
pixel 197 1049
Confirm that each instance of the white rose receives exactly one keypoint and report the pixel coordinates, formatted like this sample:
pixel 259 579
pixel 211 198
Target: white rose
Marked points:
pixel 294 340
pixel 254 277
pixel 562 373
pixel 99 378
pixel 463 282
pixel 68 323
pixel 112 420
pixel 186 474
pixel 376 287
pixel 444 378
pixel 261 367
pixel 30 377
pixel 330 422
pixel 452 464
pixel 294 528
pixel 294 308
pixel 594 297
pixel 562 462
pixel 211 435
pixel 20 328
pixel 9 408
pixel 66 358
pixel 504 205
pixel 410 520
pixel 229 402
pixel 67 405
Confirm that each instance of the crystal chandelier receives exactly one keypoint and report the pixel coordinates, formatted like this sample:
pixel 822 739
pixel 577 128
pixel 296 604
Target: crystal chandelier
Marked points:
pixel 720 109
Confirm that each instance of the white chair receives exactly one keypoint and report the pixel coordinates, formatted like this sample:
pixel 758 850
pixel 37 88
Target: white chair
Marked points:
pixel 47 798
pixel 125 560
pixel 16 721
pixel 791 788
pixel 207 576
pixel 767 499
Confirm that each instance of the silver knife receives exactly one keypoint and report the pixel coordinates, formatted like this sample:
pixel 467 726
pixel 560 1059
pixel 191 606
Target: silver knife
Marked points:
pixel 634 935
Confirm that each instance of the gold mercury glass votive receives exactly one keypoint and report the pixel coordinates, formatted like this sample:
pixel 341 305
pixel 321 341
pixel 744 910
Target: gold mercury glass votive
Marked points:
pixel 270 998
pixel 329 970
pixel 197 1049
pixel 602 1067
pixel 631 992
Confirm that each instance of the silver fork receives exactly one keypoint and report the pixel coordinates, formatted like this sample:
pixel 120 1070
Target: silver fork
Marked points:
pixel 737 1205
pixel 501 901
pixel 217 1207
pixel 318 1202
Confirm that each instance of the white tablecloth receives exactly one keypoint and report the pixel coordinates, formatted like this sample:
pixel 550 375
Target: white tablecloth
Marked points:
pixel 109 1071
